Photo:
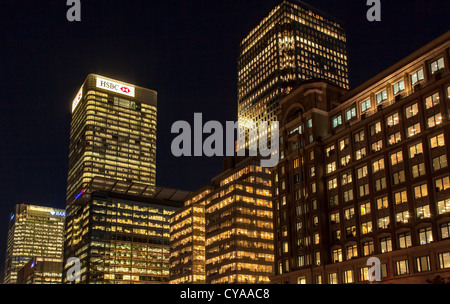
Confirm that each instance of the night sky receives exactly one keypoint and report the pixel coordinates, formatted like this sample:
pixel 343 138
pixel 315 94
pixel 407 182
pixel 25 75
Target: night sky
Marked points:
pixel 185 50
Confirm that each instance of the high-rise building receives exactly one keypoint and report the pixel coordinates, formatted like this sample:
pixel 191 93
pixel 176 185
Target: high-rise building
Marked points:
pixel 120 234
pixel 187 240
pixel 41 271
pixel 293 43
pixel 224 233
pixel 34 231
pixel 365 174
pixel 239 228
pixel 113 134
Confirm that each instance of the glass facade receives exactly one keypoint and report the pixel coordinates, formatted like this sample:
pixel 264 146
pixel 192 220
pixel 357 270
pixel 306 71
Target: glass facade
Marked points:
pixel 113 134
pixel 34 231
pixel 293 43
pixel 121 239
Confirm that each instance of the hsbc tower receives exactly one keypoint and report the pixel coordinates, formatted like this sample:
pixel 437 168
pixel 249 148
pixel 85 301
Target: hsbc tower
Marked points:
pixel 113 134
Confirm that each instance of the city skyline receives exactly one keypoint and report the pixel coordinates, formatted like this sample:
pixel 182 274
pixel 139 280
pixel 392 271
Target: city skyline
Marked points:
pixel 41 157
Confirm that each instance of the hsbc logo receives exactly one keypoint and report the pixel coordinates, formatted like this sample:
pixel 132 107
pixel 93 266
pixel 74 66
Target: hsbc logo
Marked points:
pixel 115 87
pixel 77 100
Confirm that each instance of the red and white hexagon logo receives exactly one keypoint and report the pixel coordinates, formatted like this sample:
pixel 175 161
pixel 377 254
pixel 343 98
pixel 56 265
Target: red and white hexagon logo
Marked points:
pixel 125 89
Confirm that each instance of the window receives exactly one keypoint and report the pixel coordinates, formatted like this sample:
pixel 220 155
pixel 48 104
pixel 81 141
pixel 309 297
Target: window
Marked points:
pixel 337 121
pixel 432 101
pixel 364 208
pixel 313 188
pixel 346 179
pixel 350 232
pixel 412 110
pixel 382 96
pixel 312 171
pixel 366 227
pixel 343 144
pixel 368 248
pixel 392 120
pixel 311 155
pixel 378 165
pixel 442 184
pixel 396 158
pixel 362 172
pixel 309 123
pixel 352 252
pixel 423 264
pixel 336 255
pixel 418 170
pixel 385 244
pixel 394 138
pixel 317 258
pixel 330 150
pixel 334 201
pixel 401 197
pixel 332 278
pixel 437 141
pixel 404 240
pixel 301 280
pixel 348 195
pixel 382 203
pixel 350 113
pixel 425 236
pixel 318 279
pixel 437 65
pixel 434 120
pixel 336 235
pixel 380 184
pixel 377 146
pixel 345 160
pixel 375 129
pixel 440 162
pixel 364 274
pixel 310 139
pixel 384 222
pixel 420 191
pixel 331 167
pixel 334 218
pixel 398 177
pixel 443 206
pixel 402 217
pixel 398 87
pixel 416 77
pixel 444 260
pixel 316 238
pixel 413 130
pixel 359 137
pixel 364 190
pixel 348 277
pixel 415 150
pixel 365 105
pixel 296 163
pixel 445 231
pixel 349 213
pixel 360 154
pixel 401 267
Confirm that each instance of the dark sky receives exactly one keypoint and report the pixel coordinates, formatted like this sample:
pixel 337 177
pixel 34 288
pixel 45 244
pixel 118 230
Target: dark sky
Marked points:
pixel 185 50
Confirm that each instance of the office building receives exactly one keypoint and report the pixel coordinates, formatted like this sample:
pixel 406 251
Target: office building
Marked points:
pixel 120 232
pixel 34 231
pixel 365 174
pixel 239 228
pixel 40 271
pixel 113 134
pixel 187 240
pixel 293 43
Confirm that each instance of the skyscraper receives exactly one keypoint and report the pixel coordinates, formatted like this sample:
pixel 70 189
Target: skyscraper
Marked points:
pixel 34 231
pixel 293 43
pixel 113 134
pixel 121 234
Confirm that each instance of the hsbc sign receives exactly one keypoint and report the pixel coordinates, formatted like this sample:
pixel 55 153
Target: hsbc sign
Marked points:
pixel 115 87
pixel 77 99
